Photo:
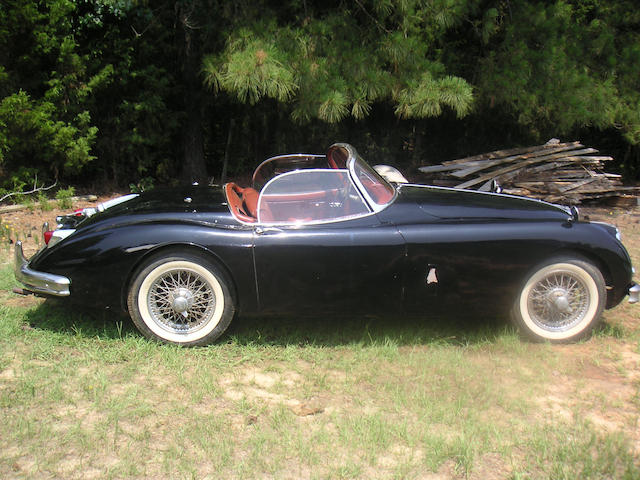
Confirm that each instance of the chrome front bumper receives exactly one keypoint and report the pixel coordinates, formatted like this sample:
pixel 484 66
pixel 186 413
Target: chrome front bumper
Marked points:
pixel 38 282
pixel 634 293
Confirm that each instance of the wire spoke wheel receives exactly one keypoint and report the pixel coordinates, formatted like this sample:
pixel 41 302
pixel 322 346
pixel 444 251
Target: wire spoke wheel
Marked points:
pixel 558 301
pixel 561 301
pixel 181 299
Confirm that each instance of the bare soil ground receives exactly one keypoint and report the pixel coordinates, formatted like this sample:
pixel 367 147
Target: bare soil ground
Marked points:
pixel 26 225
pixel 597 380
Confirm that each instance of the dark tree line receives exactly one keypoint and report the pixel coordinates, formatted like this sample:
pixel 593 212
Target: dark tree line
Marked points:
pixel 113 92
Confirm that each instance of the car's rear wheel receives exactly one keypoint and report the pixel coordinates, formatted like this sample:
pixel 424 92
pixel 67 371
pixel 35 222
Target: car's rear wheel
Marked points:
pixel 561 301
pixel 181 299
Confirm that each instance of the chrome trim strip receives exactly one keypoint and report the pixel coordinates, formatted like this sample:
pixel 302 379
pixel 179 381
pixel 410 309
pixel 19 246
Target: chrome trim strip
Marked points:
pixel 38 282
pixel 281 157
pixel 351 161
pixel 115 201
pixel 634 293
pixel 58 235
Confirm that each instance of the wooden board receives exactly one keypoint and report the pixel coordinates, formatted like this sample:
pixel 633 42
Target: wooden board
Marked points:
pixel 563 172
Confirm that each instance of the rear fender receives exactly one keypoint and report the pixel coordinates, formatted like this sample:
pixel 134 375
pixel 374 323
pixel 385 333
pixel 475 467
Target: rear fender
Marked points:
pixel 177 248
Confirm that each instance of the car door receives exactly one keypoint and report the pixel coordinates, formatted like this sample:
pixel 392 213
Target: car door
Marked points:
pixel 353 266
pixel 319 249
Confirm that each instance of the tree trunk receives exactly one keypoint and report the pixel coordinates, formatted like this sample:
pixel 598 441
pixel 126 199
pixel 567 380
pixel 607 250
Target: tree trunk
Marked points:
pixel 193 164
pixel 225 165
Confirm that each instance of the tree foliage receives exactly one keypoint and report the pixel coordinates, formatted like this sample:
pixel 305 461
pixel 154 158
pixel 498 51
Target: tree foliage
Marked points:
pixel 566 64
pixel 133 91
pixel 331 62
pixel 44 86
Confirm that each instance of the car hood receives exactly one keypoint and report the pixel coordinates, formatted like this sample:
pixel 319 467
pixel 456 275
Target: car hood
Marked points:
pixel 455 204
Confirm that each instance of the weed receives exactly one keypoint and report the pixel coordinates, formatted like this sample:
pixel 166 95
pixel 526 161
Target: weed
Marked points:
pixel 144 185
pixel 64 196
pixel 43 202
pixel 6 231
pixel 29 203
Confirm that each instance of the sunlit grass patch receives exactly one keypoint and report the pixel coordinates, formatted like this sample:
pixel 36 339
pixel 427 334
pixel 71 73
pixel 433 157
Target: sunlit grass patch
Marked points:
pixel 83 394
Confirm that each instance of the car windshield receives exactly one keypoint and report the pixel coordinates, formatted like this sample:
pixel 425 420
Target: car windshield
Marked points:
pixel 377 190
pixel 305 188
pixel 275 166
pixel 310 196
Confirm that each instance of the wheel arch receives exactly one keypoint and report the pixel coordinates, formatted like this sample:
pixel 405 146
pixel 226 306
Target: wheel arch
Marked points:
pixel 177 248
pixel 591 257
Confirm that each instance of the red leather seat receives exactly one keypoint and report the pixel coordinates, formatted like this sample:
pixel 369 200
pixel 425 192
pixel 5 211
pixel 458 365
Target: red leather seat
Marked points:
pixel 236 202
pixel 250 201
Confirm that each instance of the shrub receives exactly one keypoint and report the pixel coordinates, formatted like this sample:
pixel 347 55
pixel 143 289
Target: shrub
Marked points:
pixel 64 197
pixel 43 201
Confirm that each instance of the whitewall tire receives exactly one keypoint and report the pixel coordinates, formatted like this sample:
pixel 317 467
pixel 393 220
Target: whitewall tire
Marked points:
pixel 561 301
pixel 181 299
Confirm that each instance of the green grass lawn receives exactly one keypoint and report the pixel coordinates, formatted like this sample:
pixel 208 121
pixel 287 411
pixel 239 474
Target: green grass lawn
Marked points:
pixel 83 395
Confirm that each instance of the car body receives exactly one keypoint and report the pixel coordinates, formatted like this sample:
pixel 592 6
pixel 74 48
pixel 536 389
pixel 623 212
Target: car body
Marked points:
pixel 326 234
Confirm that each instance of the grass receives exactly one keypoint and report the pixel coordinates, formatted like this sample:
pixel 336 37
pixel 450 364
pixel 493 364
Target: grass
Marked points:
pixel 83 395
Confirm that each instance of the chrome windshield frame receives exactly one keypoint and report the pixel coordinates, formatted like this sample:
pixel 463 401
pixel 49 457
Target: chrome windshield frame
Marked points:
pixel 355 159
pixel 298 223
pixel 292 156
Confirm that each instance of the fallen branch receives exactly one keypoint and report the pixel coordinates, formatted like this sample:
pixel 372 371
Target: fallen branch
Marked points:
pixel 34 190
pixel 17 208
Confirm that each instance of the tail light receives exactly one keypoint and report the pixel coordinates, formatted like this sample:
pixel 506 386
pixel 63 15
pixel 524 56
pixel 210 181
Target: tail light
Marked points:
pixel 51 237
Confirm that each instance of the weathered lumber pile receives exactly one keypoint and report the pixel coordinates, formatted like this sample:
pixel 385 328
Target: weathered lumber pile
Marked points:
pixel 568 173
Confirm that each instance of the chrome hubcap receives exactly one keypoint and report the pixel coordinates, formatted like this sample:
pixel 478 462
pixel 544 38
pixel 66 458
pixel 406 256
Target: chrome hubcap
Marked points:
pixel 558 301
pixel 559 298
pixel 181 301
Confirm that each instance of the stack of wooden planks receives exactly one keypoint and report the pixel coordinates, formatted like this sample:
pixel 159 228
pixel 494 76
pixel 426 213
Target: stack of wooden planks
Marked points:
pixel 568 173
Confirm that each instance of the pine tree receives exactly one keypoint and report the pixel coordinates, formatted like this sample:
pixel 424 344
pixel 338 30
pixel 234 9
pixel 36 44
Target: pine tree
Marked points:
pixel 332 62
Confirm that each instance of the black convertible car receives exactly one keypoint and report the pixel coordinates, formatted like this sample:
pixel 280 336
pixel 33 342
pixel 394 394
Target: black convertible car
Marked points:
pixel 328 234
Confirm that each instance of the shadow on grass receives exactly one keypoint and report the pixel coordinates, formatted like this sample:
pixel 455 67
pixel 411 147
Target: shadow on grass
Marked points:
pixel 70 319
pixel 459 329
pixel 397 330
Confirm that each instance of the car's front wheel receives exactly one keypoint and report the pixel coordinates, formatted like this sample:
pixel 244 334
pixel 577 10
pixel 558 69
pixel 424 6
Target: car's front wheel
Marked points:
pixel 181 299
pixel 561 301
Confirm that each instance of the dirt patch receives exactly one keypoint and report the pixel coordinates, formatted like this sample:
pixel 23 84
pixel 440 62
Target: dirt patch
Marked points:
pixel 26 225
pixel 491 466
pixel 24 301
pixel 266 387
pixel 600 385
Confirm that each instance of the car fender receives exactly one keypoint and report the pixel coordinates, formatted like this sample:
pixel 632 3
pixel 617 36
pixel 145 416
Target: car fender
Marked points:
pixel 118 251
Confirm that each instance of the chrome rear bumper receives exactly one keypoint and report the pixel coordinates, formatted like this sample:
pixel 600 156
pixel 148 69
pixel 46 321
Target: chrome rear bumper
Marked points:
pixel 634 293
pixel 38 282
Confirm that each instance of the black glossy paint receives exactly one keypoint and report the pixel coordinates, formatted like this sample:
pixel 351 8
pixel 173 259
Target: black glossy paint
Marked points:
pixel 350 266
pixel 481 245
